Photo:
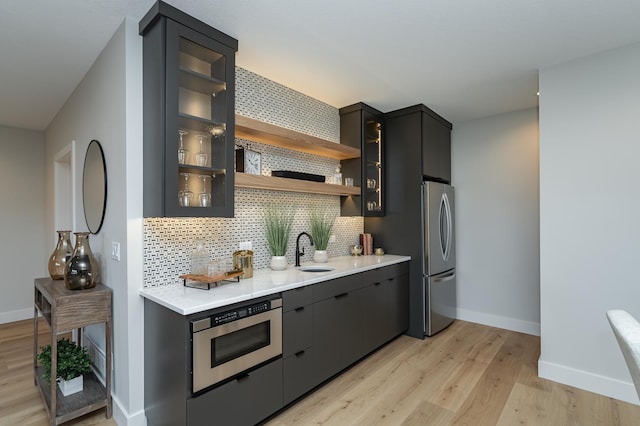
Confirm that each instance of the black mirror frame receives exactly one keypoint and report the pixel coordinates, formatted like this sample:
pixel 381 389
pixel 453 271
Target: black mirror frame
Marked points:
pixel 104 201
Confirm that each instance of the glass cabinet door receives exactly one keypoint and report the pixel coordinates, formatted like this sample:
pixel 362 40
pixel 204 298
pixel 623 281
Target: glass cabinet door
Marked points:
pixel 372 174
pixel 362 127
pixel 188 100
pixel 199 114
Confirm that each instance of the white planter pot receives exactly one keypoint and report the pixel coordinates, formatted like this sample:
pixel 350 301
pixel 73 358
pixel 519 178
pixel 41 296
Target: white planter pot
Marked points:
pixel 278 263
pixel 320 256
pixel 68 387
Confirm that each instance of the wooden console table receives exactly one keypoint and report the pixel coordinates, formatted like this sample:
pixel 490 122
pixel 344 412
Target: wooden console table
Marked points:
pixel 66 310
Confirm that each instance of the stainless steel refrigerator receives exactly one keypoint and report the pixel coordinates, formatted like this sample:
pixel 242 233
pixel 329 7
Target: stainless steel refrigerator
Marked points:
pixel 438 256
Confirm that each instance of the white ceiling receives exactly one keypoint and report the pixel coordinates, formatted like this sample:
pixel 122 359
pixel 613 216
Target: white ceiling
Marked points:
pixel 465 59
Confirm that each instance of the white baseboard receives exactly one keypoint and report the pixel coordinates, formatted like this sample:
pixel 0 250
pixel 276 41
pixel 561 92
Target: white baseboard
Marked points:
pixel 602 385
pixel 513 324
pixel 123 418
pixel 19 315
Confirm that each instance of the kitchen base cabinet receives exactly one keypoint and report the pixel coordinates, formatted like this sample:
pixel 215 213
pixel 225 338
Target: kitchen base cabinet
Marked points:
pixel 377 326
pixel 330 325
pixel 243 401
pixel 386 308
pixel 297 343
pixel 399 302
pixel 299 374
pixel 337 333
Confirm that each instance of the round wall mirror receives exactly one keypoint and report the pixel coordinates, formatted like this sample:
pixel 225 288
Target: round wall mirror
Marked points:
pixel 94 187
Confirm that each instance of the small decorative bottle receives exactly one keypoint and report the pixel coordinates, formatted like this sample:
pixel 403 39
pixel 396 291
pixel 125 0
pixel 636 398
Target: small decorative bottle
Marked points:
pixel 337 177
pixel 199 259
pixel 82 271
pixel 61 255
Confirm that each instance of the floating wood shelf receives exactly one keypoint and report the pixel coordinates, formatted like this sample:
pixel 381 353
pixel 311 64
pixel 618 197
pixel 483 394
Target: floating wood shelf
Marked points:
pixel 244 180
pixel 259 131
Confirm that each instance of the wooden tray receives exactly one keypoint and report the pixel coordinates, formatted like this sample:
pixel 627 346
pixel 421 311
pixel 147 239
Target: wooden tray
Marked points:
pixel 205 282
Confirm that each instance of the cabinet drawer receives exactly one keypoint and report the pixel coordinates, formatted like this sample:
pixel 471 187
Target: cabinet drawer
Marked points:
pixel 396 270
pixel 298 373
pixel 297 330
pixel 244 401
pixel 332 288
pixel 374 276
pixel 292 299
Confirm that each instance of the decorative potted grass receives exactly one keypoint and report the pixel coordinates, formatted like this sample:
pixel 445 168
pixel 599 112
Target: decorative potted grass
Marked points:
pixel 321 225
pixel 278 222
pixel 73 362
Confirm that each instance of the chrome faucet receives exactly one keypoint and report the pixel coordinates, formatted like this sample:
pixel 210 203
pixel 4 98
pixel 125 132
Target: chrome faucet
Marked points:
pixel 298 251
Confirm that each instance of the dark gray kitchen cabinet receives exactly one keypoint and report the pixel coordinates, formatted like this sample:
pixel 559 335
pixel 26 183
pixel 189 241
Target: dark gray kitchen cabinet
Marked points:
pixel 337 333
pixel 362 127
pixel 245 400
pixel 436 147
pixel 422 132
pixel 188 117
pixel 408 132
pixel 352 316
pixel 297 343
pixel 399 302
pixel 168 398
pixel 386 305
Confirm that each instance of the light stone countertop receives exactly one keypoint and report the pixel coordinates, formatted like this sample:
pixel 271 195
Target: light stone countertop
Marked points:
pixel 186 301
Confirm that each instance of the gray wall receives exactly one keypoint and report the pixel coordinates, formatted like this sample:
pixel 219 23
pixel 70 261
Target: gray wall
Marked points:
pixel 589 217
pixel 495 173
pixel 25 248
pixel 106 106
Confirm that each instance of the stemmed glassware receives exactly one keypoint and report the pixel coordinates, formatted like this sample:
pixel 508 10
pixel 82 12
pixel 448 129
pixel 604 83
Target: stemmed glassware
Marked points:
pixel 182 153
pixel 185 195
pixel 201 157
pixel 204 196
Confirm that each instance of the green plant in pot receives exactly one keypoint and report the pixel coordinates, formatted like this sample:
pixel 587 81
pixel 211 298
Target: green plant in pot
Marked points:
pixel 321 226
pixel 73 362
pixel 278 222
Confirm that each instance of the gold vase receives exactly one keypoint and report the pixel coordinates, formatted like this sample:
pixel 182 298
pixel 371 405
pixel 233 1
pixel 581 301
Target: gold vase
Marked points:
pixel 61 255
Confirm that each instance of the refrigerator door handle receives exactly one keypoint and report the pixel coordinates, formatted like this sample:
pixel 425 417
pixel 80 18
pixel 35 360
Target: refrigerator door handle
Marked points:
pixel 445 278
pixel 445 226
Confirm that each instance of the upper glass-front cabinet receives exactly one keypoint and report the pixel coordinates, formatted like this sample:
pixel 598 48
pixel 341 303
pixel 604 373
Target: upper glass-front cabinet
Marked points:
pixel 362 127
pixel 189 76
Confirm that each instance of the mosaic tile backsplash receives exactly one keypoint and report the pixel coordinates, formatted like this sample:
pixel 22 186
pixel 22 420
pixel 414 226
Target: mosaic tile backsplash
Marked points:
pixel 168 242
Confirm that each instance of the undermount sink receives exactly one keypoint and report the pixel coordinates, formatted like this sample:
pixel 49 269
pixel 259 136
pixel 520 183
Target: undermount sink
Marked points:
pixel 317 268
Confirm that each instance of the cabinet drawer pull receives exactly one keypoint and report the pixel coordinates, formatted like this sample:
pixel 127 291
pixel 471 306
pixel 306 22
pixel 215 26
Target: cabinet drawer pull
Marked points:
pixel 299 309
pixel 340 296
pixel 299 353
pixel 243 377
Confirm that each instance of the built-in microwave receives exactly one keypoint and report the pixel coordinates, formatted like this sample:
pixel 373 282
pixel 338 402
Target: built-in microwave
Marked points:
pixel 228 343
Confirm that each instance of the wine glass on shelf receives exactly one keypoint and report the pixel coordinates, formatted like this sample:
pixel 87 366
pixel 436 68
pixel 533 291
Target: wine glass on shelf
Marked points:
pixel 204 196
pixel 185 195
pixel 182 153
pixel 201 157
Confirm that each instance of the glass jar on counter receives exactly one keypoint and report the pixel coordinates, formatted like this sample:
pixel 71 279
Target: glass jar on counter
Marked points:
pixel 199 259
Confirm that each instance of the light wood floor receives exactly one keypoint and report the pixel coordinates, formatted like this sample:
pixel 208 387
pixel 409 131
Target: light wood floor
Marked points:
pixel 468 375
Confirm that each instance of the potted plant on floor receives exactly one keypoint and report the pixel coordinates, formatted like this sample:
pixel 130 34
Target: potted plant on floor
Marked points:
pixel 73 362
pixel 278 222
pixel 321 225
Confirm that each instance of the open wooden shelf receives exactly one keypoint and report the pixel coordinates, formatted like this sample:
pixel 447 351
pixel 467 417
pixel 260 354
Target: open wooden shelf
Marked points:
pixel 244 180
pixel 259 131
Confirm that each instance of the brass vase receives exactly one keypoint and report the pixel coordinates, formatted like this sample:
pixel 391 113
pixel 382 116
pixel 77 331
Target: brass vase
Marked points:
pixel 82 270
pixel 61 255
